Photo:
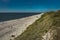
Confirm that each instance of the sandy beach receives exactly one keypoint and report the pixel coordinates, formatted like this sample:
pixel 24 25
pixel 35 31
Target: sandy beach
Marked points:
pixel 16 27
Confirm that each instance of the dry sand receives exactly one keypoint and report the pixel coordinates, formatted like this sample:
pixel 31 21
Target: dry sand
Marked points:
pixel 16 27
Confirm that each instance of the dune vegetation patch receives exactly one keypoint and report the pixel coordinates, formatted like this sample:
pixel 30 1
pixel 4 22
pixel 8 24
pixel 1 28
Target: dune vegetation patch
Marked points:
pixel 49 20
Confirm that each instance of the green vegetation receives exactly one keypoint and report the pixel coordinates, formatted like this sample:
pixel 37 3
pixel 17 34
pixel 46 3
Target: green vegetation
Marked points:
pixel 50 20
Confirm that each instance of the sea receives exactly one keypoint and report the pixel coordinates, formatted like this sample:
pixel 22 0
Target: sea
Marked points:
pixel 12 16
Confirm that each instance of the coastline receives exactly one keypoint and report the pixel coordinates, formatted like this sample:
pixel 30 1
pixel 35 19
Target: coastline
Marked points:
pixel 23 22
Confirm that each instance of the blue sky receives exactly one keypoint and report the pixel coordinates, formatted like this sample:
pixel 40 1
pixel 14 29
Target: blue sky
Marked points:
pixel 29 5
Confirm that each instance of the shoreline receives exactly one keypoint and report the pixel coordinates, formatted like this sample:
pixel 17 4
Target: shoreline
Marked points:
pixel 23 22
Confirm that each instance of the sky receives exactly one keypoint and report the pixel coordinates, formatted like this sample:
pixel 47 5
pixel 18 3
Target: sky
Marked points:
pixel 29 5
